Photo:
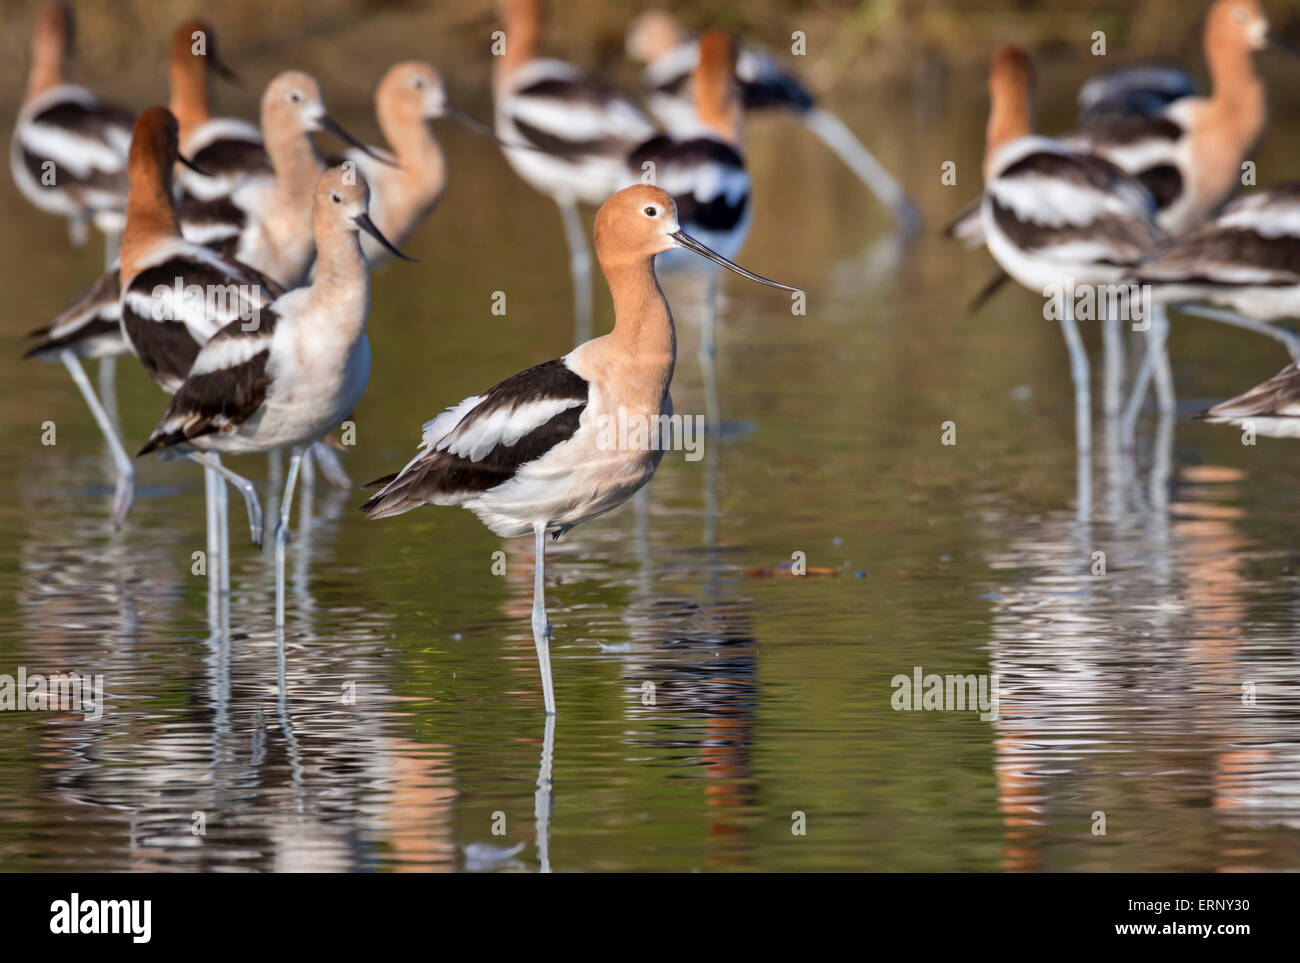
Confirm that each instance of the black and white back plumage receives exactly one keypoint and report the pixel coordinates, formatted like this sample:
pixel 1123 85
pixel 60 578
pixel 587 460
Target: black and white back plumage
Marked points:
pixel 228 151
pixel 573 131
pixel 1143 90
pixel 90 327
pixel 486 440
pixel 225 386
pixel 1049 214
pixel 1248 257
pixel 706 178
pixel 167 346
pixel 1150 148
pixel 87 142
pixel 764 84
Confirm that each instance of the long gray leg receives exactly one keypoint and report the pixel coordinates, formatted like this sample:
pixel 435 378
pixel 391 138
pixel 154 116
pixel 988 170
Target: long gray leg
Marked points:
pixel 124 490
pixel 1082 407
pixel 1113 352
pixel 282 532
pixel 246 488
pixel 1164 375
pixel 211 483
pixel 223 528
pixel 1289 339
pixel 331 465
pixel 579 268
pixel 542 627
pixel 709 355
pixel 108 388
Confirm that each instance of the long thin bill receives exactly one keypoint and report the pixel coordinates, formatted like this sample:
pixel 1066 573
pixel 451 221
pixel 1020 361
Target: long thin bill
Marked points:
pixel 191 165
pixel 366 224
pixel 688 242
pixel 1278 43
pixel 223 71
pixel 330 124
pixel 483 129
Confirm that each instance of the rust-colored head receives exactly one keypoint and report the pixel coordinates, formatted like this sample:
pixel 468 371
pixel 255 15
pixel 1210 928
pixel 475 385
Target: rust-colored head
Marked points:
pixel 1234 27
pixel 155 143
pixel 293 103
pixel 635 224
pixel 409 92
pixel 193 59
pixel 341 208
pixel 1011 85
pixel 651 35
pixel 714 85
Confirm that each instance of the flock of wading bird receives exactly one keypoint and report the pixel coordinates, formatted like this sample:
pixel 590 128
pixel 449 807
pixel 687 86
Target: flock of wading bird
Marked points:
pixel 1143 206
pixel 237 264
pixel 188 202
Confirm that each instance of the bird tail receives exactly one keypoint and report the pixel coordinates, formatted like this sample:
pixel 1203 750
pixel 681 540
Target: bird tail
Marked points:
pixel 401 493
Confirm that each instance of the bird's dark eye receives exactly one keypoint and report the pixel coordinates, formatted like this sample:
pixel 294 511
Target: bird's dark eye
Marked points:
pixel 418 83
pixel 295 97
pixel 336 198
pixel 652 212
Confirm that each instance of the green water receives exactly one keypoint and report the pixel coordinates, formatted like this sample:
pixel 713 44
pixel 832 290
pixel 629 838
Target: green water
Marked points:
pixel 409 727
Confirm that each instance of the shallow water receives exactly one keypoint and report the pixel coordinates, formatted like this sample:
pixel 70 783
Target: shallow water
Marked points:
pixel 404 724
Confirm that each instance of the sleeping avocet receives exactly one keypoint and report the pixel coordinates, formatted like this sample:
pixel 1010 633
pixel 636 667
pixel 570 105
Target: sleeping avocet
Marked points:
pixel 565 133
pixel 266 222
pixel 703 171
pixel 1190 155
pixel 1055 219
pixel 295 376
pixel 670 54
pixel 533 454
pixel 68 154
pixel 225 149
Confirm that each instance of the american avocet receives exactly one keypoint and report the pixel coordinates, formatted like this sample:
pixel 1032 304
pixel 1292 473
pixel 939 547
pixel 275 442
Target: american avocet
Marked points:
pixel 565 133
pixel 1272 408
pixel 68 153
pixel 703 171
pixel 1145 89
pixel 404 190
pixel 225 149
pixel 534 453
pixel 1056 220
pixel 300 371
pixel 266 223
pixel 1190 155
pixel 1244 260
pixel 656 39
pixel 176 294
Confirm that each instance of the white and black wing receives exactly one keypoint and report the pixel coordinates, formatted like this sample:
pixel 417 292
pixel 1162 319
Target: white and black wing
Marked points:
pixel 184 297
pixel 89 327
pixel 226 385
pixel 765 82
pixel 562 112
pixel 1254 242
pixel 1144 90
pixel 1071 207
pixel 228 151
pixel 1145 146
pixel 69 142
pixel 706 178
pixel 487 439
